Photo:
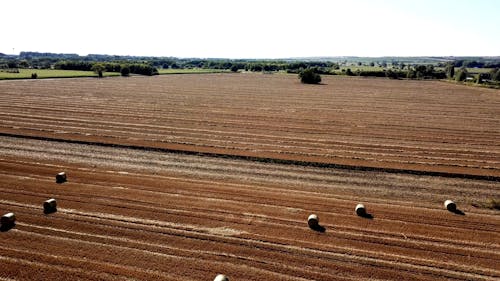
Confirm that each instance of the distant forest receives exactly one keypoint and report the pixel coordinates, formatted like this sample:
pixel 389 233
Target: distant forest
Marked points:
pixel 391 67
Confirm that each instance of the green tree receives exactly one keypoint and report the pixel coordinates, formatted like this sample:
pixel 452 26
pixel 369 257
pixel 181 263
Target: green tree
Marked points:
pixel 234 68
pixel 495 74
pixel 125 71
pixel 461 74
pixel 450 70
pixel 411 74
pixel 309 76
pixel 24 64
pixel 391 74
pixel 98 68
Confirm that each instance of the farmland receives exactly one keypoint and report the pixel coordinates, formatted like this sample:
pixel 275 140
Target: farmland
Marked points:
pixel 187 176
pixel 51 73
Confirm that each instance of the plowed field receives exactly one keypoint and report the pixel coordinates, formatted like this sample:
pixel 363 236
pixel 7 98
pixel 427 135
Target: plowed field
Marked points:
pixel 186 176
pixel 431 126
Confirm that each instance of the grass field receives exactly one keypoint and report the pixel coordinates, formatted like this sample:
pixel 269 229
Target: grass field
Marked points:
pixel 51 73
pixel 476 70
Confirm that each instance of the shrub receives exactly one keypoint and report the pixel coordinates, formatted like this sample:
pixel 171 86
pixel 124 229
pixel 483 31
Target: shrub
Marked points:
pixel 493 204
pixel 309 76
pixel 125 71
pixel 34 75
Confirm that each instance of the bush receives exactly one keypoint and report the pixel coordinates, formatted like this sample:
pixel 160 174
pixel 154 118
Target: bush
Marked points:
pixel 34 75
pixel 494 204
pixel 309 76
pixel 125 71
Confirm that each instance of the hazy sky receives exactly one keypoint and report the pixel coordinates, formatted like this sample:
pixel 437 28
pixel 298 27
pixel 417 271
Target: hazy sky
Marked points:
pixel 252 28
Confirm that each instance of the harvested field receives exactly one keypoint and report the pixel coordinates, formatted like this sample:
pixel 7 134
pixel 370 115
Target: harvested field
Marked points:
pixel 362 122
pixel 147 215
pixel 149 209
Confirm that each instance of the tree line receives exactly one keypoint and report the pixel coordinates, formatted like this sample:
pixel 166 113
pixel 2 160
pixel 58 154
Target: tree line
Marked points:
pixel 391 67
pixel 135 68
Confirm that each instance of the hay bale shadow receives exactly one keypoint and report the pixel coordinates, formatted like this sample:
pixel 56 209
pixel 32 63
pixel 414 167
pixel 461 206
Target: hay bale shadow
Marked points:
pixel 457 212
pixel 49 211
pixel 7 227
pixel 318 228
pixel 452 207
pixel 366 216
pixel 60 181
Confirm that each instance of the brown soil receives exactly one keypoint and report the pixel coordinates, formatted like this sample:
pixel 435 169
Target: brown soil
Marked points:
pixel 138 214
pixel 415 125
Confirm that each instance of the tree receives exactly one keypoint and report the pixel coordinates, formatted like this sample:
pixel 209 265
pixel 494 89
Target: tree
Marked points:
pixel 349 72
pixel 24 64
pixel 98 68
pixel 309 76
pixel 480 78
pixel 495 74
pixel 461 74
pixel 450 70
pixel 143 69
pixel 411 74
pixel 391 74
pixel 125 71
pixel 420 71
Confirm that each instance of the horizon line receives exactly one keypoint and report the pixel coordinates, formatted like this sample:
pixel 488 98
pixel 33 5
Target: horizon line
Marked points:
pixel 264 58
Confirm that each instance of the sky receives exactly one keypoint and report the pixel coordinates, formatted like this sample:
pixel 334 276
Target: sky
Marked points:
pixel 252 28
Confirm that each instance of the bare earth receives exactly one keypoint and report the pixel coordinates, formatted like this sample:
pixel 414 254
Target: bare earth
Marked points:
pixel 151 209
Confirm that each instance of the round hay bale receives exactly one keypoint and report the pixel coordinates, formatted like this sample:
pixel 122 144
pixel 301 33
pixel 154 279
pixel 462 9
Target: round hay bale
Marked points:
pixel 360 210
pixel 61 177
pixel 8 219
pixel 221 277
pixel 50 205
pixel 450 205
pixel 313 221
